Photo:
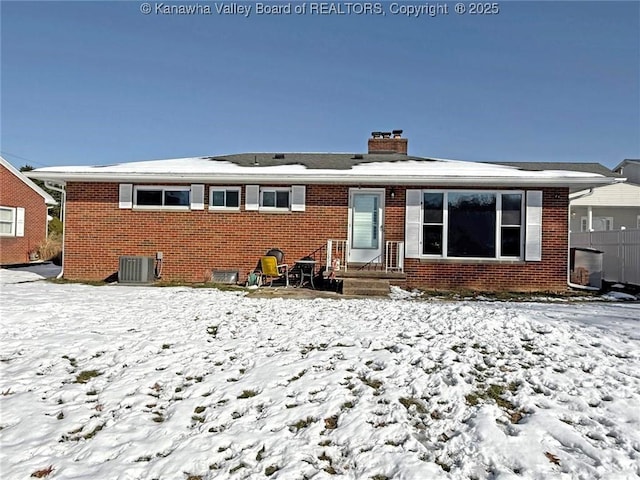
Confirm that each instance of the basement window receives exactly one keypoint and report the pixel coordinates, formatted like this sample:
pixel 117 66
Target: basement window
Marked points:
pixel 161 197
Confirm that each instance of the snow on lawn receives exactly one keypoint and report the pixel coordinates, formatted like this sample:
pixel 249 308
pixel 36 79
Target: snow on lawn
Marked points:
pixel 120 382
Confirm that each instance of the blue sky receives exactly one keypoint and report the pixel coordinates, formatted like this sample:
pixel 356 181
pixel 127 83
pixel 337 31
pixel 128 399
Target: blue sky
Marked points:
pixel 88 83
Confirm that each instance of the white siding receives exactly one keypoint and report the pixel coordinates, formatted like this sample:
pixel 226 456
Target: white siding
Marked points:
pixel 617 195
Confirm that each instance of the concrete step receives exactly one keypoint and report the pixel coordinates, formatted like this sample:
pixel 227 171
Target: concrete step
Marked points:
pixel 365 286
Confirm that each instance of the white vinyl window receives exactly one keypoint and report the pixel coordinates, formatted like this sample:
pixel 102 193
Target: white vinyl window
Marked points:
pixel 224 198
pixel 169 197
pixel 275 198
pixel 471 224
pixel 599 224
pixel 11 221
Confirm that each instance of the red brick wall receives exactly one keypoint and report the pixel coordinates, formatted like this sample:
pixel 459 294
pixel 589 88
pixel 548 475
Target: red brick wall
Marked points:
pixel 15 193
pixel 550 274
pixel 397 145
pixel 194 242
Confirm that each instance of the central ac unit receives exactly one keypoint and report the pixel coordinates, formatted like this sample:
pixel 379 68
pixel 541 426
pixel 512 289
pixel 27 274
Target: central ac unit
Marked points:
pixel 136 269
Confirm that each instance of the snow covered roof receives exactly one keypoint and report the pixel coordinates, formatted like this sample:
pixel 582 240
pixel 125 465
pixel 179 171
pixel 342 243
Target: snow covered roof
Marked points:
pixel 323 168
pixel 48 199
pixel 590 167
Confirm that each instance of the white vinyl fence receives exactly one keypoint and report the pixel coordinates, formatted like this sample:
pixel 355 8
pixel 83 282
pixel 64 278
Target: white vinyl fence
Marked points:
pixel 621 252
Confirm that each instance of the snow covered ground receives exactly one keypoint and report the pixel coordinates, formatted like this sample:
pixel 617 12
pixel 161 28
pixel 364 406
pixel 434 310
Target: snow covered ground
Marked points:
pixel 119 382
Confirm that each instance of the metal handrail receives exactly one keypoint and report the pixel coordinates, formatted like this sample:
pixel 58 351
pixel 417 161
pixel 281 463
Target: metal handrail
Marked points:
pixel 375 260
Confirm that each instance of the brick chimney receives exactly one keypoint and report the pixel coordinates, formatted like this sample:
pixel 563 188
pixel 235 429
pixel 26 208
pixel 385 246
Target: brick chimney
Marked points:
pixel 388 142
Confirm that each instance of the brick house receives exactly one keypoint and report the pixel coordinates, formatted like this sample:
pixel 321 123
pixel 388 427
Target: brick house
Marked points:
pixel 23 215
pixel 435 224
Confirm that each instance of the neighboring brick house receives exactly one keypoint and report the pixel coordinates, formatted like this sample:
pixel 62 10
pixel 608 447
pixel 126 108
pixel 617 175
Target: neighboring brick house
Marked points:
pixel 439 224
pixel 23 215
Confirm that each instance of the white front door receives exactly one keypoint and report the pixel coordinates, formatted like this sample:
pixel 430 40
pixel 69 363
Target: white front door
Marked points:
pixel 366 209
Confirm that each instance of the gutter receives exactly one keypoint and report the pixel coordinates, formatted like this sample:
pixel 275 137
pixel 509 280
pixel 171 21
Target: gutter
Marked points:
pixel 582 195
pixel 325 178
pixel 63 201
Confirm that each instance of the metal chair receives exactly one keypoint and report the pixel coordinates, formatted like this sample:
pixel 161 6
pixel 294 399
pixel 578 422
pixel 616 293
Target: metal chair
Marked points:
pixel 271 267
pixel 271 270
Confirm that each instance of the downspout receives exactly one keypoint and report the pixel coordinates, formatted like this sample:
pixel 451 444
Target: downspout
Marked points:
pixel 575 285
pixel 60 188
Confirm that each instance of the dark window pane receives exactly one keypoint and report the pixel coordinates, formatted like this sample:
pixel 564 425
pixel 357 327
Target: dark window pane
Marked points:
pixel 217 198
pixel 269 199
pixel 511 209
pixel 510 242
pixel 432 207
pixel 432 239
pixel 149 197
pixel 176 197
pixel 472 225
pixel 282 199
pixel 233 199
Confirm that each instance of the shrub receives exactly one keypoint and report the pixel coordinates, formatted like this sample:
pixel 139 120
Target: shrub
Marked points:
pixel 51 249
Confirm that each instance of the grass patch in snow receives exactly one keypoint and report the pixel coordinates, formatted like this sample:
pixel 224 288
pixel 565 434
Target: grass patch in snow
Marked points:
pixel 93 432
pixel 72 361
pixel 331 423
pixel 44 472
pixel 86 375
pixel 412 402
pixel 493 392
pixel 298 376
pixel 303 423
pixel 371 382
pixel 65 281
pixel 347 405
pixel 240 466
pixel 212 330
pixel 248 394
pixel 271 469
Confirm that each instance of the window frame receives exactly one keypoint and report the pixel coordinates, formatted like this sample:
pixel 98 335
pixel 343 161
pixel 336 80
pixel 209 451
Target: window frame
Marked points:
pixel 262 206
pixel 584 223
pixel 12 223
pixel 225 190
pixel 163 189
pixel 444 255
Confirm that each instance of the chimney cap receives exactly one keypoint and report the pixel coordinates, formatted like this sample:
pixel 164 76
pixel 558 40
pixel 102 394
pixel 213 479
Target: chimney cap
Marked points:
pixel 376 134
pixel 397 133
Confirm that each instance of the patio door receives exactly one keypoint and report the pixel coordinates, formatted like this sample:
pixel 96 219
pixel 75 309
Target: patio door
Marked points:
pixel 366 216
